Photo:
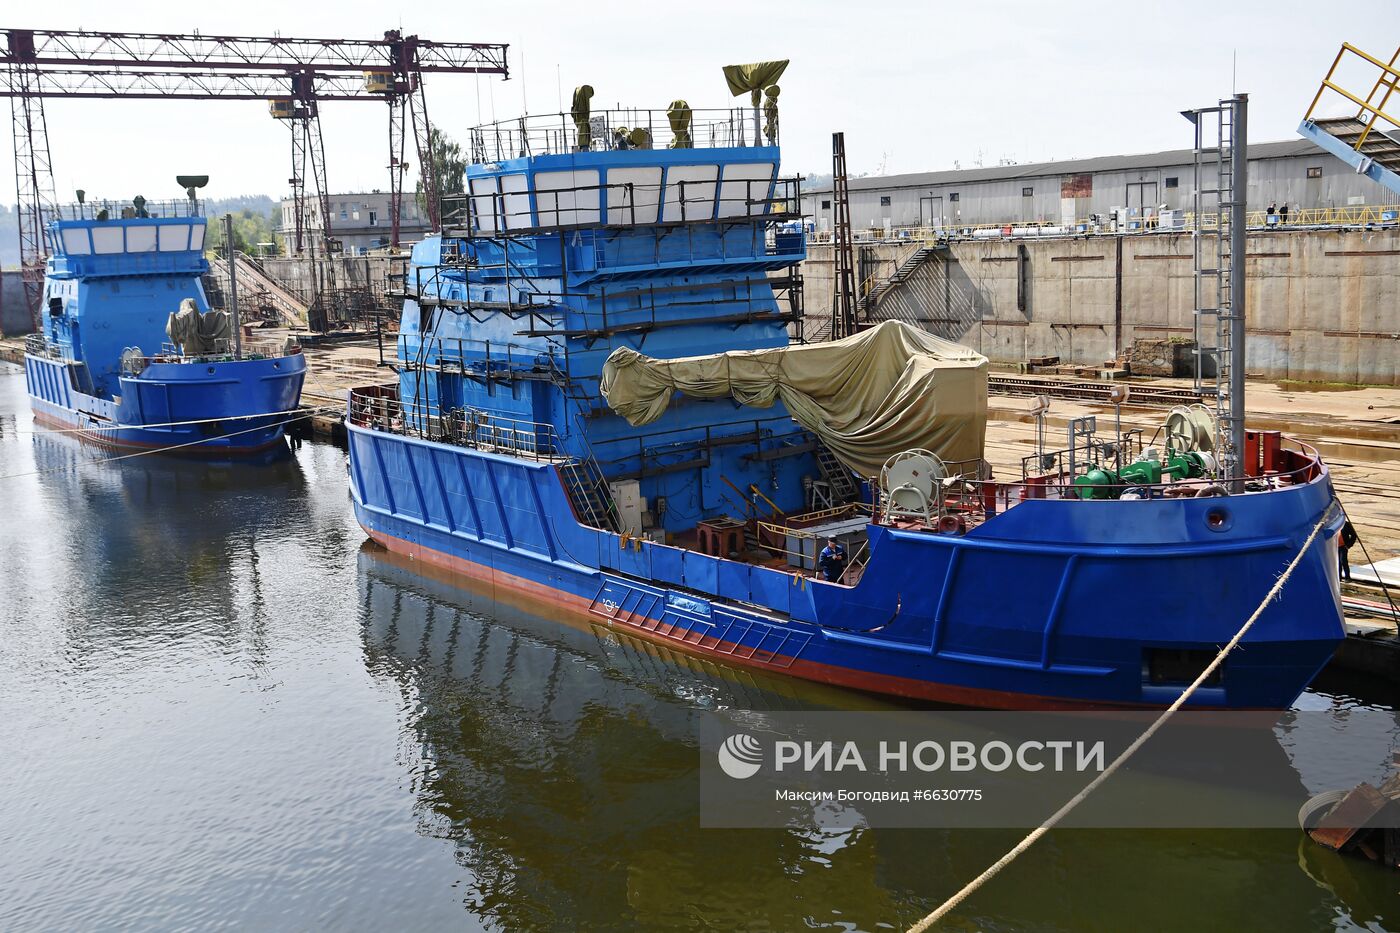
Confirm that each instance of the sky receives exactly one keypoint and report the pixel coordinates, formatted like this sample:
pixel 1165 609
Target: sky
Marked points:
pixel 915 86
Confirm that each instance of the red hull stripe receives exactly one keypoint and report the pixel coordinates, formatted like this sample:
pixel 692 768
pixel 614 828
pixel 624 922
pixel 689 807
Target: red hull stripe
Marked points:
pixel 104 439
pixel 822 673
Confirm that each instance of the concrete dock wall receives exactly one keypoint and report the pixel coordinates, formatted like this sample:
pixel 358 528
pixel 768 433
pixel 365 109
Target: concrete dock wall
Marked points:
pixel 1322 306
pixel 14 310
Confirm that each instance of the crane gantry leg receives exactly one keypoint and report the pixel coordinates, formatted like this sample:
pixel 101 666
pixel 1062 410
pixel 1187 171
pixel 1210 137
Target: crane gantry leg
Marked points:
pixel 34 186
pixel 396 167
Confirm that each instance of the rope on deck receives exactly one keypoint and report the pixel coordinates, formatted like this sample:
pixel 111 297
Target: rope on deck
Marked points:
pixel 947 906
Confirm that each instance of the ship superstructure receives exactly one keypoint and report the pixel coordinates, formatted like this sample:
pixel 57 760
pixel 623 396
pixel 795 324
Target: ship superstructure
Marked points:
pixel 131 356
pixel 646 263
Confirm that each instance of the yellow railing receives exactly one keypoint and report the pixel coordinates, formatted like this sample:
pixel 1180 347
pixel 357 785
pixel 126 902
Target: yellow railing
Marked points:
pixel 773 532
pixel 1312 216
pixel 1388 78
pixel 1352 215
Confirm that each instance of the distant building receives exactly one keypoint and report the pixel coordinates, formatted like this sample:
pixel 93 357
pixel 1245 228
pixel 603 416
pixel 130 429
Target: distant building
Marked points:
pixel 1293 172
pixel 360 221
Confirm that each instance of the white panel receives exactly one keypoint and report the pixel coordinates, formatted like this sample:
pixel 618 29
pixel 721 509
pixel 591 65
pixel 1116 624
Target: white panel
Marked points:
pixel 107 239
pixel 567 198
pixel 744 182
pixel 75 241
pixel 140 239
pixel 174 237
pixel 484 204
pixel 197 237
pixel 515 197
pixel 699 192
pixel 641 201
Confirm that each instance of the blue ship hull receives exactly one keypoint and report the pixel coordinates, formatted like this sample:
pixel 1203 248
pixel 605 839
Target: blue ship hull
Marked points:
pixel 196 409
pixel 123 277
pixel 1053 604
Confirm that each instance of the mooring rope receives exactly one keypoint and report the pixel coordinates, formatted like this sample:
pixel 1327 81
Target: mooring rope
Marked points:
pixel 1385 588
pixel 947 906
pixel 304 412
pixel 154 450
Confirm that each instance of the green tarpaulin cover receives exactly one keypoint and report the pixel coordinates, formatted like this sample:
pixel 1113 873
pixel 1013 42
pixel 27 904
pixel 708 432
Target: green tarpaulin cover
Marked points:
pixel 753 77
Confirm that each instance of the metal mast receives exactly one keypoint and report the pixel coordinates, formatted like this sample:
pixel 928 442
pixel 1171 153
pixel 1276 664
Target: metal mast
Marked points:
pixel 843 293
pixel 1220 169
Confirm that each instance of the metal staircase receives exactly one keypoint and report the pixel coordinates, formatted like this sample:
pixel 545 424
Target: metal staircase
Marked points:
pixel 589 493
pixel 902 272
pixel 842 482
pixel 1367 139
pixel 255 283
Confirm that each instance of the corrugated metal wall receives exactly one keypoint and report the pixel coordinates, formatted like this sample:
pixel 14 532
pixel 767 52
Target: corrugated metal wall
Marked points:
pixel 1274 180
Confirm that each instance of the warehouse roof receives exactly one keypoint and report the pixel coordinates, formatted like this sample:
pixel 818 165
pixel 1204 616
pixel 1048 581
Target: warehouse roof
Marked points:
pixel 1115 163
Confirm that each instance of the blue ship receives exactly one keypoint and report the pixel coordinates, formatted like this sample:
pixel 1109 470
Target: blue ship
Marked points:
pixel 104 365
pixel 632 239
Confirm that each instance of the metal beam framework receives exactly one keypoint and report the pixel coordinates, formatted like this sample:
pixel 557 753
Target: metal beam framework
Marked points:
pixel 190 85
pixel 74 47
pixel 34 187
pixel 101 65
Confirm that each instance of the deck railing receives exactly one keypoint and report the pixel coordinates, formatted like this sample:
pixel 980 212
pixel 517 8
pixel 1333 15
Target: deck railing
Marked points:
pixel 606 130
pixel 379 408
pixel 224 351
pixel 621 204
pixel 39 345
pixel 108 209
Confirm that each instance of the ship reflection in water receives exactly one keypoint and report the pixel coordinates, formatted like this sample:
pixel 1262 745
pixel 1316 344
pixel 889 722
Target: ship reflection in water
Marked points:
pixel 217 710
pixel 560 763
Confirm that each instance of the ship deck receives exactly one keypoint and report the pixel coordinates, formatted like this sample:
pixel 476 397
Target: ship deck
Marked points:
pixel 1355 428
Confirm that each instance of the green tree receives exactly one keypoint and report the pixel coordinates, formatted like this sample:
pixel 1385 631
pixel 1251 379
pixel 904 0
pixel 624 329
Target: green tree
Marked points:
pixel 250 228
pixel 449 164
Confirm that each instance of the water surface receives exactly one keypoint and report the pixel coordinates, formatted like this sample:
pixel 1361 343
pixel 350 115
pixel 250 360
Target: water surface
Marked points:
pixel 219 709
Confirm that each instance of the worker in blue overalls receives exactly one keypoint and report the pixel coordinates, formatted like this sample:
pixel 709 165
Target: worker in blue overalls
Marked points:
pixel 832 561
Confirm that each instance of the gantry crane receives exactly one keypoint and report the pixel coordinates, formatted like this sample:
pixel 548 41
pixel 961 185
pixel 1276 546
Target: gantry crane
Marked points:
pixel 294 75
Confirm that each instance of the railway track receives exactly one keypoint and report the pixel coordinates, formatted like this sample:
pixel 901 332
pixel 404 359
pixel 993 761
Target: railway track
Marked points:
pixel 1081 390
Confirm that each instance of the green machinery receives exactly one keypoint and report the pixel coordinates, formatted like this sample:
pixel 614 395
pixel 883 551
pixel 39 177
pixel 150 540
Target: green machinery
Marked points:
pixel 1102 483
pixel 1190 434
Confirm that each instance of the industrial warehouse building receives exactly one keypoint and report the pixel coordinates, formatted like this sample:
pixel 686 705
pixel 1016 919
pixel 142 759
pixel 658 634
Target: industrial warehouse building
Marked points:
pixel 1296 173
pixel 359 220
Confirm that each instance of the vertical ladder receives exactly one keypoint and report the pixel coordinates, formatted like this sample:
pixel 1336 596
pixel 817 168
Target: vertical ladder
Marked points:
pixel 843 294
pixel 1213 226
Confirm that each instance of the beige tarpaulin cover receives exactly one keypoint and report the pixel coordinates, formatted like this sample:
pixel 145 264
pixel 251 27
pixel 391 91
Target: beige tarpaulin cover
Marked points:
pixel 868 397
pixel 198 334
